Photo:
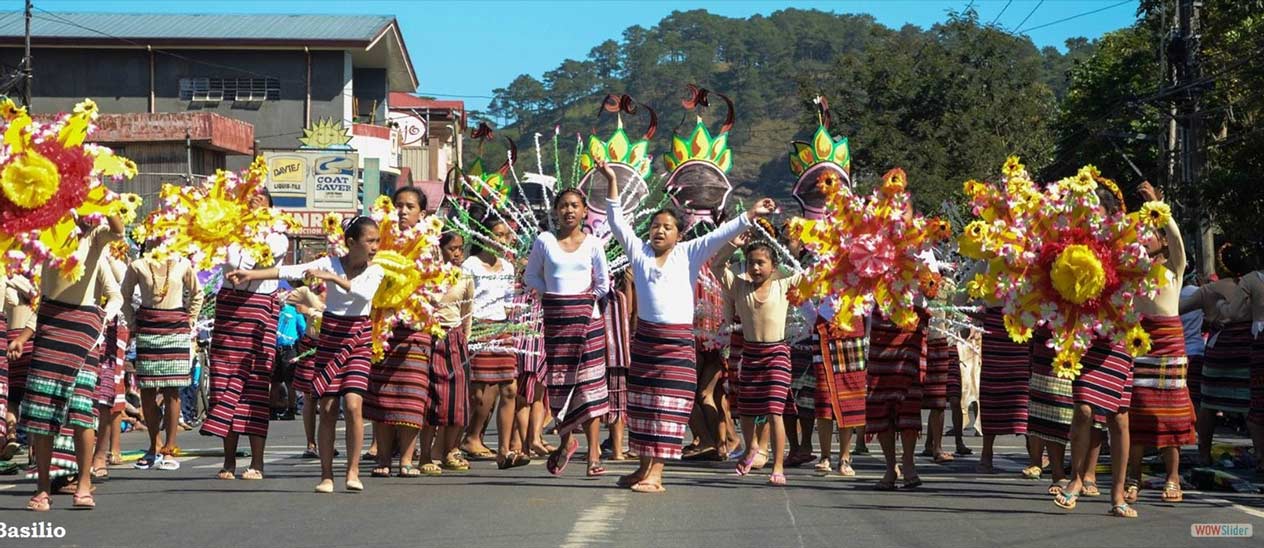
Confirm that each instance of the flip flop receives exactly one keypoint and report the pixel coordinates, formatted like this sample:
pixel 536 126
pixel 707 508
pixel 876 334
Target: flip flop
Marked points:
pixel 431 469
pixel 595 469
pixel 226 475
pixel 1032 472
pixel 252 474
pixel 943 458
pixel 480 455
pixel 645 487
pixel 310 454
pixel 167 463
pixel 1057 486
pixel 912 483
pixel 554 466
pixel 409 471
pixel 777 479
pixel 1066 500
pixel 884 485
pixel 1132 491
pixel 1122 511
pixel 845 469
pixel 99 474
pixel 824 466
pixel 1172 492
pixel 146 462
pixel 626 482
pixel 1090 490
pixel 41 502
pixel 83 502
pixel 378 472
pixel 744 466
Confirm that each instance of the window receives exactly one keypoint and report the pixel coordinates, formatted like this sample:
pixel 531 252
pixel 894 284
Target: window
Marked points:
pixel 214 90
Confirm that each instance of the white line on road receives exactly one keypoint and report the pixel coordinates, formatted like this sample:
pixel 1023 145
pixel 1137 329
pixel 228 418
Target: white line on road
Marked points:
pixel 598 524
pixel 793 522
pixel 1222 502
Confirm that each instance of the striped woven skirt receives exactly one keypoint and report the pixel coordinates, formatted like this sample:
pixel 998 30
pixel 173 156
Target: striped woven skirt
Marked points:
pixel 841 386
pixel 344 356
pixel 1226 382
pixel 941 357
pixel 19 368
pixel 662 380
pixel 305 367
pixel 64 463
pixel 529 348
pixel 618 353
pixel 103 396
pixel 575 351
pixel 1256 414
pixel 1194 379
pixel 62 380
pixel 163 343
pixel 449 392
pixel 953 387
pixel 1161 414
pixel 804 356
pixel 1105 381
pixel 243 347
pixel 896 369
pixel 117 338
pixel 763 384
pixel 4 376
pixel 399 385
pixel 493 366
pixel 1052 404
pixel 1004 375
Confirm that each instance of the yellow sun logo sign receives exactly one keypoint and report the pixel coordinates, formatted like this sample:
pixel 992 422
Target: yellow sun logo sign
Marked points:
pixel 325 133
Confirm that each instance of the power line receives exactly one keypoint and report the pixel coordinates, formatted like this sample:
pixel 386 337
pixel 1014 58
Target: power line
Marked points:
pixel 998 16
pixel 1029 14
pixel 1077 16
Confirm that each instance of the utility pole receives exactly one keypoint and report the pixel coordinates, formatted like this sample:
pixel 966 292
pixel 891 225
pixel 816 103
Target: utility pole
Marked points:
pixel 1191 138
pixel 26 61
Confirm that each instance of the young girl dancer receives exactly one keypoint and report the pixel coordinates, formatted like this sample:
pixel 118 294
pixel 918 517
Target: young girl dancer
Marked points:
pixel 310 302
pixel 345 349
pixel 662 377
pixel 448 392
pixel 170 300
pixel 567 269
pixel 493 372
pixel 243 349
pixel 763 384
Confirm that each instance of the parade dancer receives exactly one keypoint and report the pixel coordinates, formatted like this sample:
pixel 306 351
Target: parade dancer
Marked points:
pixel 111 391
pixel 449 394
pixel 310 302
pixel 840 385
pixel 18 311
pixel 567 269
pixel 662 377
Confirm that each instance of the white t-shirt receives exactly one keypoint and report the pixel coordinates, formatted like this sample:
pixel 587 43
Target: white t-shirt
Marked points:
pixel 493 290
pixel 550 269
pixel 338 301
pixel 278 243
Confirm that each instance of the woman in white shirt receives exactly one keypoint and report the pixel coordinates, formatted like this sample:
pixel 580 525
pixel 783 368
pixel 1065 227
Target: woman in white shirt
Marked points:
pixel 662 377
pixel 493 371
pixel 243 349
pixel 344 350
pixel 567 269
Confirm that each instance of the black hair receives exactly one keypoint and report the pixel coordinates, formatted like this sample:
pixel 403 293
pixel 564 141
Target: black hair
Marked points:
pixel 557 200
pixel 354 228
pixel 448 236
pixel 1234 261
pixel 489 223
pixel 760 246
pixel 1110 202
pixel 421 196
pixel 675 215
pixel 267 195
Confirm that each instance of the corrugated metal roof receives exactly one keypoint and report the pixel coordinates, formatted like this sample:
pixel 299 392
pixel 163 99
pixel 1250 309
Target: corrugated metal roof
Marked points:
pixel 195 27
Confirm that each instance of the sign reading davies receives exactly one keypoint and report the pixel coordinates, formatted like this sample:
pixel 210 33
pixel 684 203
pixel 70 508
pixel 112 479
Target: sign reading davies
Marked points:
pixel 303 180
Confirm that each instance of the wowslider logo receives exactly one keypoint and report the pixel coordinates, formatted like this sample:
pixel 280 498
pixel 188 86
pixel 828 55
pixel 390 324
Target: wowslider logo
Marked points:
pixel 1231 530
pixel 36 529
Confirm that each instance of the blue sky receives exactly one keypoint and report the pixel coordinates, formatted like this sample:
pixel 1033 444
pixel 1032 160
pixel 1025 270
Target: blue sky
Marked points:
pixel 465 49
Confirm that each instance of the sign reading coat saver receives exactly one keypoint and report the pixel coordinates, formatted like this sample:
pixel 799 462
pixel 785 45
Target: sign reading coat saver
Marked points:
pixel 310 180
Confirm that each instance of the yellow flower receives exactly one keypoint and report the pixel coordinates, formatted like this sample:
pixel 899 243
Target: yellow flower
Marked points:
pixel 1082 183
pixel 980 287
pixel 1138 341
pixel 974 188
pixel 1077 274
pixel 1018 332
pixel 973 240
pixel 894 181
pixel 30 180
pixel 401 279
pixel 1012 167
pixel 1067 365
pixel 1156 214
pixel 382 202
pixel 213 219
pixel 332 223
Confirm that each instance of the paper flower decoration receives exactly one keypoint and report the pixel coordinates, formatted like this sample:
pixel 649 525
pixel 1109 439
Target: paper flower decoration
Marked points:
pixel 870 252
pixel 416 277
pixel 1057 258
pixel 202 222
pixel 335 236
pixel 51 187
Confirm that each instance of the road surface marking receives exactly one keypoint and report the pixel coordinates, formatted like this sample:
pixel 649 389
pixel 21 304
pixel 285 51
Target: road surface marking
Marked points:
pixel 598 524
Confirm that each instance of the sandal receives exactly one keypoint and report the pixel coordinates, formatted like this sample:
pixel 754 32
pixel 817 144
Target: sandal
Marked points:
pixel 170 451
pixel 99 474
pixel 252 474
pixel 1123 511
pixel 1058 486
pixel 557 461
pixel 1132 490
pixel 455 463
pixel 325 486
pixel 41 502
pixel 431 469
pixel 480 455
pixel 913 482
pixel 777 479
pixel 226 475
pixel 884 485
pixel 167 463
pixel 1172 492
pixel 645 487
pixel 943 458
pixel 1090 490
pixel 1032 472
pixel 113 459
pixel 381 472
pixel 409 471
pixel 626 482
pixel 595 469
pixel 798 460
pixel 83 502
pixel 1066 500
pixel 520 459
pixel 310 454
pixel 744 466
pixel 964 451
pixel 845 469
pixel 824 466
pixel 145 462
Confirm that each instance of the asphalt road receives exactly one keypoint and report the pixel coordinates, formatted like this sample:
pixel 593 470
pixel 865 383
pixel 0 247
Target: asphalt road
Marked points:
pixel 706 505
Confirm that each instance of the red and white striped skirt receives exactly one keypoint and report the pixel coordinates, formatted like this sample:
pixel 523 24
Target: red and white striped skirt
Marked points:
pixel 1004 379
pixel 661 384
pixel 896 368
pixel 530 349
pixel 243 347
pixel 344 356
pixel 1162 414
pixel 763 383
pixel 841 379
pixel 493 366
pixel 399 385
pixel 449 392
pixel 1105 381
pixel 575 350
pixel 62 381
pixel 941 357
pixel 618 353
